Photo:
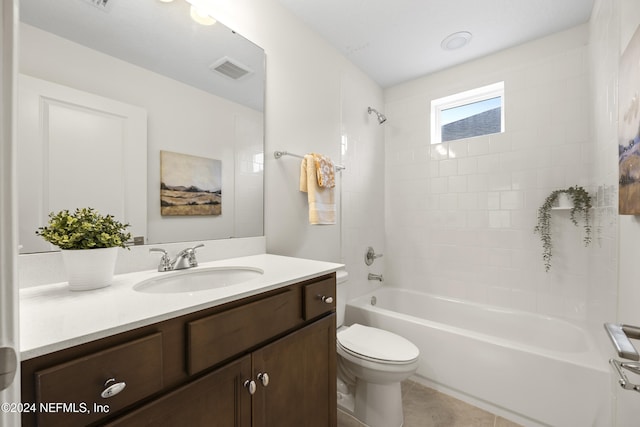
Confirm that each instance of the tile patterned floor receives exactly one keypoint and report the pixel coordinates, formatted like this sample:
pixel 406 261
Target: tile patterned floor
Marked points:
pixel 425 407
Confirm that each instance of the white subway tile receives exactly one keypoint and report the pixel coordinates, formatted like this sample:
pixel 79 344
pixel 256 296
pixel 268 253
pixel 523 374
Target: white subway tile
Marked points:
pixel 467 166
pixel 458 184
pixel 458 149
pixel 448 167
pixel 489 163
pixel 478 146
pixel 499 181
pixel 439 151
pixel 439 185
pixel 499 219
pixel 511 200
pixel 478 183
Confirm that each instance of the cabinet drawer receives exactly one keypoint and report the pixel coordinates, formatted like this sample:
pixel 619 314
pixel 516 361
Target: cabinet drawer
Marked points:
pixel 71 392
pixel 316 298
pixel 216 338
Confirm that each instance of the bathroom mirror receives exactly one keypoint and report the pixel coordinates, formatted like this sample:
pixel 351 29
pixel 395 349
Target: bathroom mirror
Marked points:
pixel 192 87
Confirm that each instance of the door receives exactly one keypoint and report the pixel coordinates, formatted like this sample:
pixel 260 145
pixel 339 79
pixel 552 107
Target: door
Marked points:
pixel 9 346
pixel 61 133
pixel 299 388
pixel 217 399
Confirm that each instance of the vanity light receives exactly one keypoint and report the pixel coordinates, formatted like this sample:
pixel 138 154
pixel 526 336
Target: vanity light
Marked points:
pixel 201 17
pixel 456 40
pixel 197 12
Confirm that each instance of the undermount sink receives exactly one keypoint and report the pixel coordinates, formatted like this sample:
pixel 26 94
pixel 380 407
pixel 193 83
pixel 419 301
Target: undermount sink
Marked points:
pixel 197 280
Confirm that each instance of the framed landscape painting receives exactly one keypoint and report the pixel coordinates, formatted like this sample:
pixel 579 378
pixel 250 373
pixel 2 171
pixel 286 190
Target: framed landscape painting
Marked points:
pixel 629 128
pixel 190 185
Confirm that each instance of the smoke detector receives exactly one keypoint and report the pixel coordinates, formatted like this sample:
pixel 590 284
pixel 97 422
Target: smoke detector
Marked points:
pixel 456 40
pixel 104 5
pixel 230 68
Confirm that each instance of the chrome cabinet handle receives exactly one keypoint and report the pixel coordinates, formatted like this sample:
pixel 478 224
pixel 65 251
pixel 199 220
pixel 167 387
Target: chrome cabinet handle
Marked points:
pixel 112 389
pixel 325 299
pixel 264 378
pixel 251 386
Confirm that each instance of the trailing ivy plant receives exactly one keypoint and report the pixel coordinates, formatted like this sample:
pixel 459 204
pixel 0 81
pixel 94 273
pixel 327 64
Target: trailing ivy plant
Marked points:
pixel 84 229
pixel 581 206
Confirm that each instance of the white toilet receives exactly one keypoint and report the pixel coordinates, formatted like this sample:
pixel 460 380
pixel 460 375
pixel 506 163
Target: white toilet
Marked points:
pixel 371 365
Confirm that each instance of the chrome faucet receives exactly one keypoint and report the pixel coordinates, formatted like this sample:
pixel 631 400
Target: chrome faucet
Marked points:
pixel 377 277
pixel 186 258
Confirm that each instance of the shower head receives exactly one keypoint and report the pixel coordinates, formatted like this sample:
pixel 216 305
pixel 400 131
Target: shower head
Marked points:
pixel 381 117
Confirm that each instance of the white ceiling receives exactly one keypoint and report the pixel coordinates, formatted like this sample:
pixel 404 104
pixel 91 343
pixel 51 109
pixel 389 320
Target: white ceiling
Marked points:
pixel 158 36
pixel 397 40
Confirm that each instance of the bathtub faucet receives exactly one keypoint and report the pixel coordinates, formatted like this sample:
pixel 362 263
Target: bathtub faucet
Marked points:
pixel 377 277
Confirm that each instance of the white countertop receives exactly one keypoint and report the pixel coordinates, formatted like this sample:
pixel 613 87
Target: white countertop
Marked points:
pixel 53 318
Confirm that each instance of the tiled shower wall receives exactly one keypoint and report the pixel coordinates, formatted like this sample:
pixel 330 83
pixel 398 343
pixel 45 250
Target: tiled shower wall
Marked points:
pixel 459 216
pixel 362 182
pixel 604 56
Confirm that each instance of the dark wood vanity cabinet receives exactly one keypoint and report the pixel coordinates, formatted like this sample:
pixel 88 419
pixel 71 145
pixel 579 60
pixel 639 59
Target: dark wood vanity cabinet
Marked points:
pixel 301 389
pixel 267 360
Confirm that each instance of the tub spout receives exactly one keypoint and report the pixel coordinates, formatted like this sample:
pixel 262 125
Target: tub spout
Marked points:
pixel 377 277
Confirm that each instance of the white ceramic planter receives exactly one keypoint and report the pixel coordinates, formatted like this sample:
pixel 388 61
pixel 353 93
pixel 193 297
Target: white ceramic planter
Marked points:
pixel 565 201
pixel 89 268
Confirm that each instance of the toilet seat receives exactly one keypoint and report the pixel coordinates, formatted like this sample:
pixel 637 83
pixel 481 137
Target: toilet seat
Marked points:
pixel 377 345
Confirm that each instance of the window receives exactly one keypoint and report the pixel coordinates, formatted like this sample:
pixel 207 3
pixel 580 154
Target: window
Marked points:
pixel 475 112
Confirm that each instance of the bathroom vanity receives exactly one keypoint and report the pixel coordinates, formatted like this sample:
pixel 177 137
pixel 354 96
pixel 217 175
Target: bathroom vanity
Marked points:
pixel 258 353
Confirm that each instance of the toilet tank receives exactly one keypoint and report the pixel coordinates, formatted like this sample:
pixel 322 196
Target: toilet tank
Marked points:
pixel 341 296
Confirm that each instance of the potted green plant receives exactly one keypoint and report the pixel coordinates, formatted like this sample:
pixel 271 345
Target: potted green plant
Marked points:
pixel 89 243
pixel 580 204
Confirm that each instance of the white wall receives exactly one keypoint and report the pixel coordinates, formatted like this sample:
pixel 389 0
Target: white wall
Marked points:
pixel 614 273
pixel 309 84
pixel 460 215
pixel 604 56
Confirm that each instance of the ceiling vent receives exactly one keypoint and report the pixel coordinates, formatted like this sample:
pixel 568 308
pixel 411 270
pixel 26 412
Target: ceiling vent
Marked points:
pixel 104 5
pixel 230 68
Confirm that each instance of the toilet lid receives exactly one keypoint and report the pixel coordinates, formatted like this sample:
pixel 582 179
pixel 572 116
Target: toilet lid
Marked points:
pixel 377 344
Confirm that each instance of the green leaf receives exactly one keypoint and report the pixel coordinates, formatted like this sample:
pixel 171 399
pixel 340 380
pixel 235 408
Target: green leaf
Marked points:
pixel 84 229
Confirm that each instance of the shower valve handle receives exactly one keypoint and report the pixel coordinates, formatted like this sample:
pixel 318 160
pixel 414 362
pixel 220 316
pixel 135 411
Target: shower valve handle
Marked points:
pixel 370 256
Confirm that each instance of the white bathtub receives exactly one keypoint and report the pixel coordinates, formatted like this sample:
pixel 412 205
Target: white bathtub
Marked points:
pixel 533 369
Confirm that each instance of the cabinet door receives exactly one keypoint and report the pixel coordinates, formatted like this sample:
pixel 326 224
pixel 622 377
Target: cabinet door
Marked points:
pixel 218 399
pixel 301 367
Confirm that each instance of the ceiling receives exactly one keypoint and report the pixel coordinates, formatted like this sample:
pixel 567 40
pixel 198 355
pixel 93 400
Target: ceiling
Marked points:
pixel 394 41
pixel 157 36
